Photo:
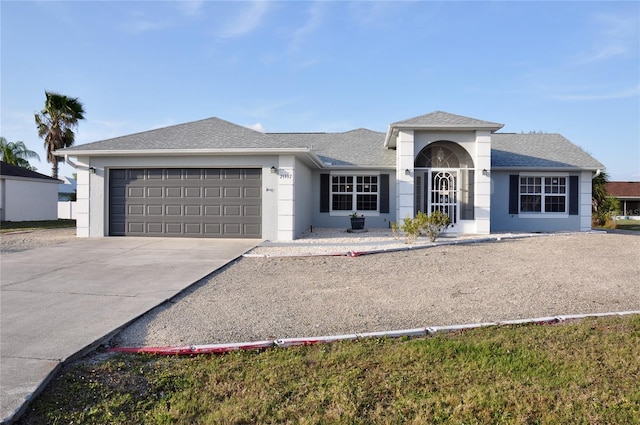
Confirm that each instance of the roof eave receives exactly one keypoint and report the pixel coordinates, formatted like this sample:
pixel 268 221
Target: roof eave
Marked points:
pixel 188 152
pixel 451 127
pixel 545 169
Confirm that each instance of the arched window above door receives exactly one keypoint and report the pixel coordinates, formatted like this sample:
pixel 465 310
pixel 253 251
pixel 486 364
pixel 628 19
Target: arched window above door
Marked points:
pixel 443 154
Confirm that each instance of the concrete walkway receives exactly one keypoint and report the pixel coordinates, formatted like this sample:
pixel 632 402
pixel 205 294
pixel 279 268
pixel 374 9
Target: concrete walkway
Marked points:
pixel 61 301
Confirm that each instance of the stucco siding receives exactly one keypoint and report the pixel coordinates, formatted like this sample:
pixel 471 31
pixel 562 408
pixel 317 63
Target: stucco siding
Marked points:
pixel 303 198
pixel 341 220
pixel 27 200
pixel 503 221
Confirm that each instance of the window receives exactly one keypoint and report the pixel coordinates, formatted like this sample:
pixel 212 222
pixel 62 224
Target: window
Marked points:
pixel 543 194
pixel 354 193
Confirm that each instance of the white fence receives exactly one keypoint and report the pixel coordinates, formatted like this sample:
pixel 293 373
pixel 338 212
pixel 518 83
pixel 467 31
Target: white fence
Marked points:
pixel 67 209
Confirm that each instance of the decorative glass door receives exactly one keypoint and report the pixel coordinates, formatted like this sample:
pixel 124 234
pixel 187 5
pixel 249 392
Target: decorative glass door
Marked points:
pixel 442 192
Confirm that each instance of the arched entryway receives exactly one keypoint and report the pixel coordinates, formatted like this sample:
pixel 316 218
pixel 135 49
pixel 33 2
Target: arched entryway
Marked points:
pixel 444 178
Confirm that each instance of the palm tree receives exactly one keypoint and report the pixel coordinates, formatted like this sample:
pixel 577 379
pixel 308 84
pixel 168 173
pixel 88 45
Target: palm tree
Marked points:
pixel 56 123
pixel 17 153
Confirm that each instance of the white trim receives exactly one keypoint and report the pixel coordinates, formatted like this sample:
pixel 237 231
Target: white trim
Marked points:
pixel 359 173
pixel 543 195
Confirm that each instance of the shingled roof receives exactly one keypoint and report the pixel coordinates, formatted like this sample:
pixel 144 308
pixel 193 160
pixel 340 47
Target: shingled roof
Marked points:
pixel 9 170
pixel 360 147
pixel 538 151
pixel 210 133
pixel 444 120
pixel 355 148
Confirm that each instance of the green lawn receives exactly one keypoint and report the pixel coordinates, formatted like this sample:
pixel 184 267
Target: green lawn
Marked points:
pixel 628 225
pixel 579 372
pixel 11 226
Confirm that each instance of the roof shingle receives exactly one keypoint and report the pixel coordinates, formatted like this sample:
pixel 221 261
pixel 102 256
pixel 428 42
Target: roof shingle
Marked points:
pixel 10 170
pixel 538 150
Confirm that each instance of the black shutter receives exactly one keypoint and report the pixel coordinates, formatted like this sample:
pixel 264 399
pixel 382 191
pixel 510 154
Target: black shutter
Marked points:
pixel 384 193
pixel 574 205
pixel 324 192
pixel 513 193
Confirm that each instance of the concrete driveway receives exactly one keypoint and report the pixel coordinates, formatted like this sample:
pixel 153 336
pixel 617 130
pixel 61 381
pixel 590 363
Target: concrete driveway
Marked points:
pixel 60 301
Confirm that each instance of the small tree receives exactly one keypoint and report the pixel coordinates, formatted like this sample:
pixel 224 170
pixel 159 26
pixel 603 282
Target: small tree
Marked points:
pixel 17 153
pixel 603 205
pixel 431 225
pixel 434 224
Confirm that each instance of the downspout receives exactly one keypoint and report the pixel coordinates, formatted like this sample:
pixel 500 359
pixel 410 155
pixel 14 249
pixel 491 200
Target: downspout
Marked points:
pixel 598 172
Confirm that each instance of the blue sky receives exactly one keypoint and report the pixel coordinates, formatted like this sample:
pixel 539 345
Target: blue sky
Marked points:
pixel 564 67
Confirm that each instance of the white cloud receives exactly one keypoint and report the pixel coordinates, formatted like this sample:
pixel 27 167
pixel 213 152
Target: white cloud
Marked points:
pixel 616 36
pixel 257 127
pixel 300 35
pixel 247 21
pixel 594 95
pixel 191 8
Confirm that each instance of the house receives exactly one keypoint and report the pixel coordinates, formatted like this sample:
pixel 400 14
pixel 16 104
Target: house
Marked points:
pixel 26 195
pixel 213 178
pixel 628 193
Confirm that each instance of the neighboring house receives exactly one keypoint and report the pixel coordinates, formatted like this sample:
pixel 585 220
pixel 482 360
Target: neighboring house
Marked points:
pixel 26 195
pixel 213 178
pixel 628 193
pixel 67 189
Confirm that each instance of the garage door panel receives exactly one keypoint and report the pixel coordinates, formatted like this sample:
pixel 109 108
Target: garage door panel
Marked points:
pixel 173 174
pixel 173 228
pixel 193 174
pixel 154 210
pixel 212 229
pixel 135 192
pixel 136 175
pixel 193 210
pixel 212 210
pixel 232 229
pixel 186 202
pixel 154 174
pixel 135 227
pixel 231 210
pixel 173 192
pixel 134 210
pixel 175 210
pixel 232 192
pixel 252 192
pixel 154 192
pixel 232 174
pixel 251 211
pixel 252 230
pixel 192 192
pixel 212 192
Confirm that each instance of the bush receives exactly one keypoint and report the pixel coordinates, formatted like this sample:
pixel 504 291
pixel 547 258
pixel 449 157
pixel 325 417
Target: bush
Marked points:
pixel 430 225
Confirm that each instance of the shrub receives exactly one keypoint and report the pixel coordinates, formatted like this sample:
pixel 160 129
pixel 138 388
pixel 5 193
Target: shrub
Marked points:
pixel 430 225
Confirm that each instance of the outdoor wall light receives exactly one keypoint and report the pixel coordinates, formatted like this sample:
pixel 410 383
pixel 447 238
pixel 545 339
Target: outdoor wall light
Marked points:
pixel 407 172
pixel 485 172
pixel 274 170
pixel 92 170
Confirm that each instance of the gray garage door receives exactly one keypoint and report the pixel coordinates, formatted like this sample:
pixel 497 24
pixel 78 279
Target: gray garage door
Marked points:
pixel 192 202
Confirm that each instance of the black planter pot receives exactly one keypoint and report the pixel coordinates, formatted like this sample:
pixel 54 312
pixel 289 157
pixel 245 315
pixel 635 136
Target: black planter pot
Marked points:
pixel 357 223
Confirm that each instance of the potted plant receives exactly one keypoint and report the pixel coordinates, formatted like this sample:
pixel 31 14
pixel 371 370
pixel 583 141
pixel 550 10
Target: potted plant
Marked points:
pixel 357 221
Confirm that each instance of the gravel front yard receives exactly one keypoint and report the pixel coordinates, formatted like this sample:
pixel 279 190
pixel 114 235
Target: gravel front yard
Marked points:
pixel 258 298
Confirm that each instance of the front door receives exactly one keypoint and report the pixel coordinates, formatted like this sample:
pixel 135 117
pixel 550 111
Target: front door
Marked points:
pixel 442 192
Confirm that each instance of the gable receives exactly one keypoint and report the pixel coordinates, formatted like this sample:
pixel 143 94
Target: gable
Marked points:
pixel 444 120
pixel 211 133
